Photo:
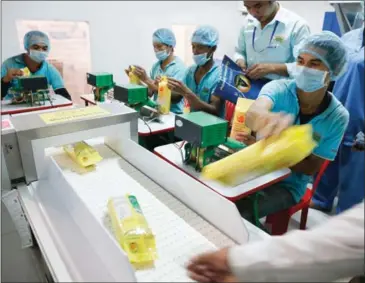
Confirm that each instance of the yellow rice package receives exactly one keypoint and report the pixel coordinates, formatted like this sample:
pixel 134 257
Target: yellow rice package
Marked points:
pixel 26 72
pixel 239 117
pixel 83 154
pixel 276 152
pixel 164 96
pixel 133 79
pixel 131 229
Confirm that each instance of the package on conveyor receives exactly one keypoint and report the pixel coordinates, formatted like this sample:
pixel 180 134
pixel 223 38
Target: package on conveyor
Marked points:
pixel 83 154
pixel 283 151
pixel 131 229
pixel 239 117
pixel 164 96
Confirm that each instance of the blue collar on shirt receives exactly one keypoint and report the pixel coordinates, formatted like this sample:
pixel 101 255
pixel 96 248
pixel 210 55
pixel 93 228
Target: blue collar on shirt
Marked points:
pixel 195 67
pixel 334 104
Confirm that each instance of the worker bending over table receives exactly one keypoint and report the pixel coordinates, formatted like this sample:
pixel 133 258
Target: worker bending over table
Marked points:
pixel 202 77
pixel 37 45
pixel 168 64
pixel 345 176
pixel 329 252
pixel 305 100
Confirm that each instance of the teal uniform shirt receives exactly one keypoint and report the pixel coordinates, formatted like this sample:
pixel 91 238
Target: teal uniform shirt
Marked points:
pixel 205 88
pixel 49 71
pixel 176 70
pixel 328 127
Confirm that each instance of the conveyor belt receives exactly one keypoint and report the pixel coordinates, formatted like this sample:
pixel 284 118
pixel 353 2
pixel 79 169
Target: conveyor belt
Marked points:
pixel 180 232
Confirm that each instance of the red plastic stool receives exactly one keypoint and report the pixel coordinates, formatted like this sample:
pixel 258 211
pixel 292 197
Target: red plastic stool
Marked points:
pixel 279 221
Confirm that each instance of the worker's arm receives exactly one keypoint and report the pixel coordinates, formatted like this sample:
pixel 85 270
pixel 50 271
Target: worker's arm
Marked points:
pixel 7 75
pixel 331 251
pixel 213 107
pixel 240 50
pixel 308 166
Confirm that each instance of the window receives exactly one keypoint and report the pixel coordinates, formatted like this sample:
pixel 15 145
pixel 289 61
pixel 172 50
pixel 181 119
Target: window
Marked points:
pixel 70 50
pixel 183 35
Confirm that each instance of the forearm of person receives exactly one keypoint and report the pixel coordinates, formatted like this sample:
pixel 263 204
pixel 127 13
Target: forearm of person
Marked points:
pixel 199 105
pixel 152 87
pixel 4 88
pixel 63 92
pixel 308 166
pixel 280 69
pixel 175 98
pixel 260 106
pixel 331 251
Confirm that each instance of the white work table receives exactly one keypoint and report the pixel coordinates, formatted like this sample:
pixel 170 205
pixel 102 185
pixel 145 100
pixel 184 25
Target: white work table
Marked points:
pixel 171 154
pixel 57 101
pixel 165 124
pixel 180 232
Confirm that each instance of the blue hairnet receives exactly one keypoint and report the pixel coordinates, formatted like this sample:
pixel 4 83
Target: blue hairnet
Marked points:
pixel 165 36
pixel 205 35
pixel 35 37
pixel 327 47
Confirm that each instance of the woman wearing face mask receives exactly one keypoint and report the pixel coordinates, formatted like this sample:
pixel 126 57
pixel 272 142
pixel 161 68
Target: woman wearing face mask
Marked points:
pixel 167 65
pixel 202 78
pixel 305 100
pixel 37 45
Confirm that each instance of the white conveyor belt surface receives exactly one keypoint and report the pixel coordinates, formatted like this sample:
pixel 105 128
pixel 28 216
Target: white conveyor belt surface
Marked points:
pixel 180 233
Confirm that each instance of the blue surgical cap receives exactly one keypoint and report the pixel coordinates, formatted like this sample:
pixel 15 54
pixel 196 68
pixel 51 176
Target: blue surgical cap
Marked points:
pixel 327 47
pixel 205 35
pixel 165 36
pixel 35 37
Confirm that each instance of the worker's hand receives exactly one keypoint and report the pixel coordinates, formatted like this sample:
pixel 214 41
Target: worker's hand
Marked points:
pixel 247 139
pixel 270 124
pixel 158 80
pixel 259 71
pixel 178 87
pixel 242 64
pixel 140 73
pixel 12 73
pixel 211 267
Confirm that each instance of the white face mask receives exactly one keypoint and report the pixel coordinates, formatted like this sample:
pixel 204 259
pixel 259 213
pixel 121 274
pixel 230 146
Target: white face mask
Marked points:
pixel 308 79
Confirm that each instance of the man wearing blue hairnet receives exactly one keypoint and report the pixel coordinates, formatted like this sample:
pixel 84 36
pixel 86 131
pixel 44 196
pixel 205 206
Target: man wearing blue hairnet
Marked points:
pixel 37 45
pixel 345 176
pixel 202 78
pixel 321 58
pixel 167 64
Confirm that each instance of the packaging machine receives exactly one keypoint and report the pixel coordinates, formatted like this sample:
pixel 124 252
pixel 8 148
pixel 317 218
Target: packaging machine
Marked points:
pixel 67 211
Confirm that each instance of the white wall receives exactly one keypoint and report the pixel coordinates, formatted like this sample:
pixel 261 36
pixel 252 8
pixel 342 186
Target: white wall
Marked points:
pixel 311 11
pixel 121 31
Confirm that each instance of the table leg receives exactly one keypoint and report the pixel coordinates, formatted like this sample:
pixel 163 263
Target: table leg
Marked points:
pixel 86 103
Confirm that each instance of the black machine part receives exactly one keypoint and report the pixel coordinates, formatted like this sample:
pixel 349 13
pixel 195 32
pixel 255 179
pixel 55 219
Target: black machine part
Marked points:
pixel 120 94
pixel 34 83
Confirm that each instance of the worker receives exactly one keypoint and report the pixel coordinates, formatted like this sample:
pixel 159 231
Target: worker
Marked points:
pixel 329 252
pixel 305 100
pixel 202 77
pixel 167 64
pixel 345 176
pixel 37 45
pixel 267 40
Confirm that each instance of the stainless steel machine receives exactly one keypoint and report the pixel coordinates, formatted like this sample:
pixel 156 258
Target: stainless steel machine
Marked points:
pixel 66 210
